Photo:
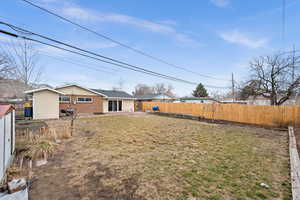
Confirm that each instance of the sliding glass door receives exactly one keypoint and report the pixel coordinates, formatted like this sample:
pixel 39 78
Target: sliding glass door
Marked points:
pixel 114 106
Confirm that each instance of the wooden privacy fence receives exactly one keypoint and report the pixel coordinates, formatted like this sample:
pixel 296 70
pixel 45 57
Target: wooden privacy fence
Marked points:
pixel 251 114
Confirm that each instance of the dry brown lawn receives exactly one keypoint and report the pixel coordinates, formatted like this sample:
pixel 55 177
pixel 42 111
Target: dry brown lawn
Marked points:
pixel 147 157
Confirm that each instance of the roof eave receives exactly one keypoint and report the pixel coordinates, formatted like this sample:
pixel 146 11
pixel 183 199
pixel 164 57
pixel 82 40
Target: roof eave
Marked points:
pixel 43 89
pixel 69 85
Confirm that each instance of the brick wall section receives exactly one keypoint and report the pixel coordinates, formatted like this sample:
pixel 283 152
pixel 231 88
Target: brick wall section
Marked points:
pixel 96 106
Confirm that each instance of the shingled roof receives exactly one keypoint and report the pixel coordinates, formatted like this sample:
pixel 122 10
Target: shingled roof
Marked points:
pixel 114 94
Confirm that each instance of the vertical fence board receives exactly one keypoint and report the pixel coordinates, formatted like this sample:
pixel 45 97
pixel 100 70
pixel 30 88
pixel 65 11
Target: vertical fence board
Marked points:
pixel 251 114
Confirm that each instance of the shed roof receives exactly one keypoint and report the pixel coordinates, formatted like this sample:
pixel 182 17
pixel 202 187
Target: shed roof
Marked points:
pixel 4 109
pixel 42 89
pixel 114 94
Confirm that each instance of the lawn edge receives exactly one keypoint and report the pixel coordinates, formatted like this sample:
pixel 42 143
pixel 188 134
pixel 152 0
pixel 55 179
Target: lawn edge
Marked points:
pixel 294 164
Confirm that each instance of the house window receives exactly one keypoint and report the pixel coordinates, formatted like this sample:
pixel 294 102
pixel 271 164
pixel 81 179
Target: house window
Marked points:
pixel 84 99
pixel 64 99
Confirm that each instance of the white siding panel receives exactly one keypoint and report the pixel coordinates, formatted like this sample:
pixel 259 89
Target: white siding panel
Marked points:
pixel 14 130
pixel 128 105
pixel 2 127
pixel 7 139
pixel 105 106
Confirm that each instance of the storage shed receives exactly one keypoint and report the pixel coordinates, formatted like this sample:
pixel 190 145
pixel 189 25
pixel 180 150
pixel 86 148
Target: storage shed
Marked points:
pixel 45 103
pixel 7 137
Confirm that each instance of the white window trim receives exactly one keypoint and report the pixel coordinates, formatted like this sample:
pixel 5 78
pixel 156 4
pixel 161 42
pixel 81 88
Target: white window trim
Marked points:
pixel 77 101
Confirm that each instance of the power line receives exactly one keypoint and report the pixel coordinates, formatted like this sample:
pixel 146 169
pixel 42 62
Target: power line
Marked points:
pixel 120 43
pixel 120 63
pixel 23 31
pixel 78 53
pixel 77 64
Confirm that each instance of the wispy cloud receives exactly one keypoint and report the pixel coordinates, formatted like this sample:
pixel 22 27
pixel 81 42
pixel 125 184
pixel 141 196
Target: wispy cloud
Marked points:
pixel 237 37
pixel 165 27
pixel 168 22
pixel 221 3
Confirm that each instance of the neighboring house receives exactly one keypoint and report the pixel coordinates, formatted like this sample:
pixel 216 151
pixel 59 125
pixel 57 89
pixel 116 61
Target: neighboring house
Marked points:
pixel 7 137
pixel 204 100
pixel 262 101
pixel 139 98
pixel 48 103
pixel 231 101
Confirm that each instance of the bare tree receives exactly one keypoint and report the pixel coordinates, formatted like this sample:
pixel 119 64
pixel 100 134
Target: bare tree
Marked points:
pixel 276 78
pixel 6 69
pixel 159 88
pixel 23 57
pixel 143 89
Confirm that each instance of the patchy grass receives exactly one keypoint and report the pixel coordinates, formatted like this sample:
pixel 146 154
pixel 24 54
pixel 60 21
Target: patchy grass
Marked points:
pixel 151 157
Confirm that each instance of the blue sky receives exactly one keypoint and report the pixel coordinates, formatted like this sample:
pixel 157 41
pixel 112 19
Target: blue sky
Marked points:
pixel 212 37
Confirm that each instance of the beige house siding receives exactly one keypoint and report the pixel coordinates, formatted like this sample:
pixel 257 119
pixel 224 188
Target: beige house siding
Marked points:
pixel 45 105
pixel 74 90
pixel 128 105
pixel 105 105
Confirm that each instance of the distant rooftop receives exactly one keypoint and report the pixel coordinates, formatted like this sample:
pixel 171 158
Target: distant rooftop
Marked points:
pixel 198 98
pixel 152 96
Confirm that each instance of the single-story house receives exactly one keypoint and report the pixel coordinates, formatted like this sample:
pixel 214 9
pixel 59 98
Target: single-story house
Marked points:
pixel 139 98
pixel 204 100
pixel 7 137
pixel 81 99
pixel 262 101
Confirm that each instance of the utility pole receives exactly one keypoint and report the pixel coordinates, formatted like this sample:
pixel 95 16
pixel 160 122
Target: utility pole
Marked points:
pixel 233 92
pixel 283 24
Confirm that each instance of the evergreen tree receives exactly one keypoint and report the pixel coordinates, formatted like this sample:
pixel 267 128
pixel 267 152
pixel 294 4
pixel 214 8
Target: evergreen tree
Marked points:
pixel 200 91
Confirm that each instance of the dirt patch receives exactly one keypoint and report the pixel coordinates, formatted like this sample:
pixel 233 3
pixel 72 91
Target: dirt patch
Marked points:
pixel 158 158
pixel 95 183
